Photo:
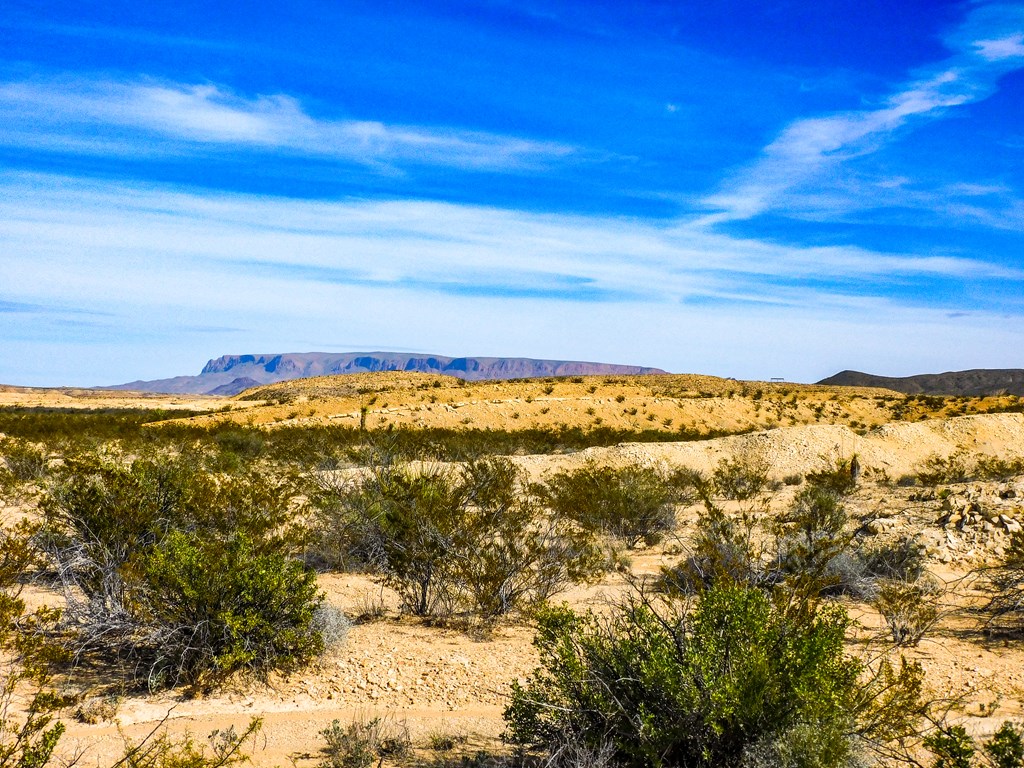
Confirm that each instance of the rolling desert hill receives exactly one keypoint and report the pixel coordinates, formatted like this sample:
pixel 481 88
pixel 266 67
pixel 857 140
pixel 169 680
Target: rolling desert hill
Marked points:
pixel 231 374
pixel 664 407
pixel 979 382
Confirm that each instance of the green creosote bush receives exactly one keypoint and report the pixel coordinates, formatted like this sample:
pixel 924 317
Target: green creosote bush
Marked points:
pixel 632 504
pixel 26 462
pixel 115 508
pixel 809 553
pixel 810 535
pixel 740 478
pixel 938 470
pixel 1006 747
pixel 187 577
pixel 840 478
pixel 733 678
pixel 994 468
pixel 723 550
pixel 516 554
pixel 210 608
pixel 808 548
pixel 953 747
pixel 404 525
pixel 448 540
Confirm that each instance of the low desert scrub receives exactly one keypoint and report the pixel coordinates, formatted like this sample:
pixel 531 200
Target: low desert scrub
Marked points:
pixel 306 446
pixel 724 549
pixel 811 534
pixel 161 750
pixel 1006 606
pixel 957 468
pixel 24 461
pixel 809 550
pixel 61 429
pixel 901 559
pixel 861 571
pixel 369 606
pixel 994 468
pixel 364 742
pixel 839 478
pixel 204 610
pixel 181 576
pixel 236 447
pixel 29 731
pixel 740 478
pixel 940 470
pixel 632 504
pixel 732 678
pixel 953 747
pixel 445 739
pixel 98 709
pixel 449 540
pixel 909 610
pixel 802 547
pixel 332 625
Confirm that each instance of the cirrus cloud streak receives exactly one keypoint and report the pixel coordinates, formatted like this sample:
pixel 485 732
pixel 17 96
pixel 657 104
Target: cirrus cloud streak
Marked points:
pixel 158 118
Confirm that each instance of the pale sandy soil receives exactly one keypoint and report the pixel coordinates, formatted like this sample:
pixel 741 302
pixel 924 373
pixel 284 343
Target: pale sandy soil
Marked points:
pixel 31 397
pixel 895 449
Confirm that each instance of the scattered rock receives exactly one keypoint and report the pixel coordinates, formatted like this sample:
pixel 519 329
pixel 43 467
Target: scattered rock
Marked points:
pixel 880 525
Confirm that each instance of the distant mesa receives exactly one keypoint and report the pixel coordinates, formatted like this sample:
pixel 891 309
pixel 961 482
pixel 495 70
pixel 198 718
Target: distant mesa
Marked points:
pixel 231 374
pixel 978 382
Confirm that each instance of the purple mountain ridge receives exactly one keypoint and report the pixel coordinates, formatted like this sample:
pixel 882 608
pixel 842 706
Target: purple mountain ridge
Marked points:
pixel 231 374
pixel 977 382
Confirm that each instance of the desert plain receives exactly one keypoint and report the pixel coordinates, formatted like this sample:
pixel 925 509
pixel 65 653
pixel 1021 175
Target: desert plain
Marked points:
pixel 452 678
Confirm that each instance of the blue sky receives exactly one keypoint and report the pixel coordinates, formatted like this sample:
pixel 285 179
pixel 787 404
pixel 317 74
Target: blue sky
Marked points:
pixel 737 188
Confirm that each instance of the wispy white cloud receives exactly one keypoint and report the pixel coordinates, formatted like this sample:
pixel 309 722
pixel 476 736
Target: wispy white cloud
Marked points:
pixel 463 280
pixel 96 231
pixel 853 197
pixel 1011 47
pixel 154 117
pixel 988 44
